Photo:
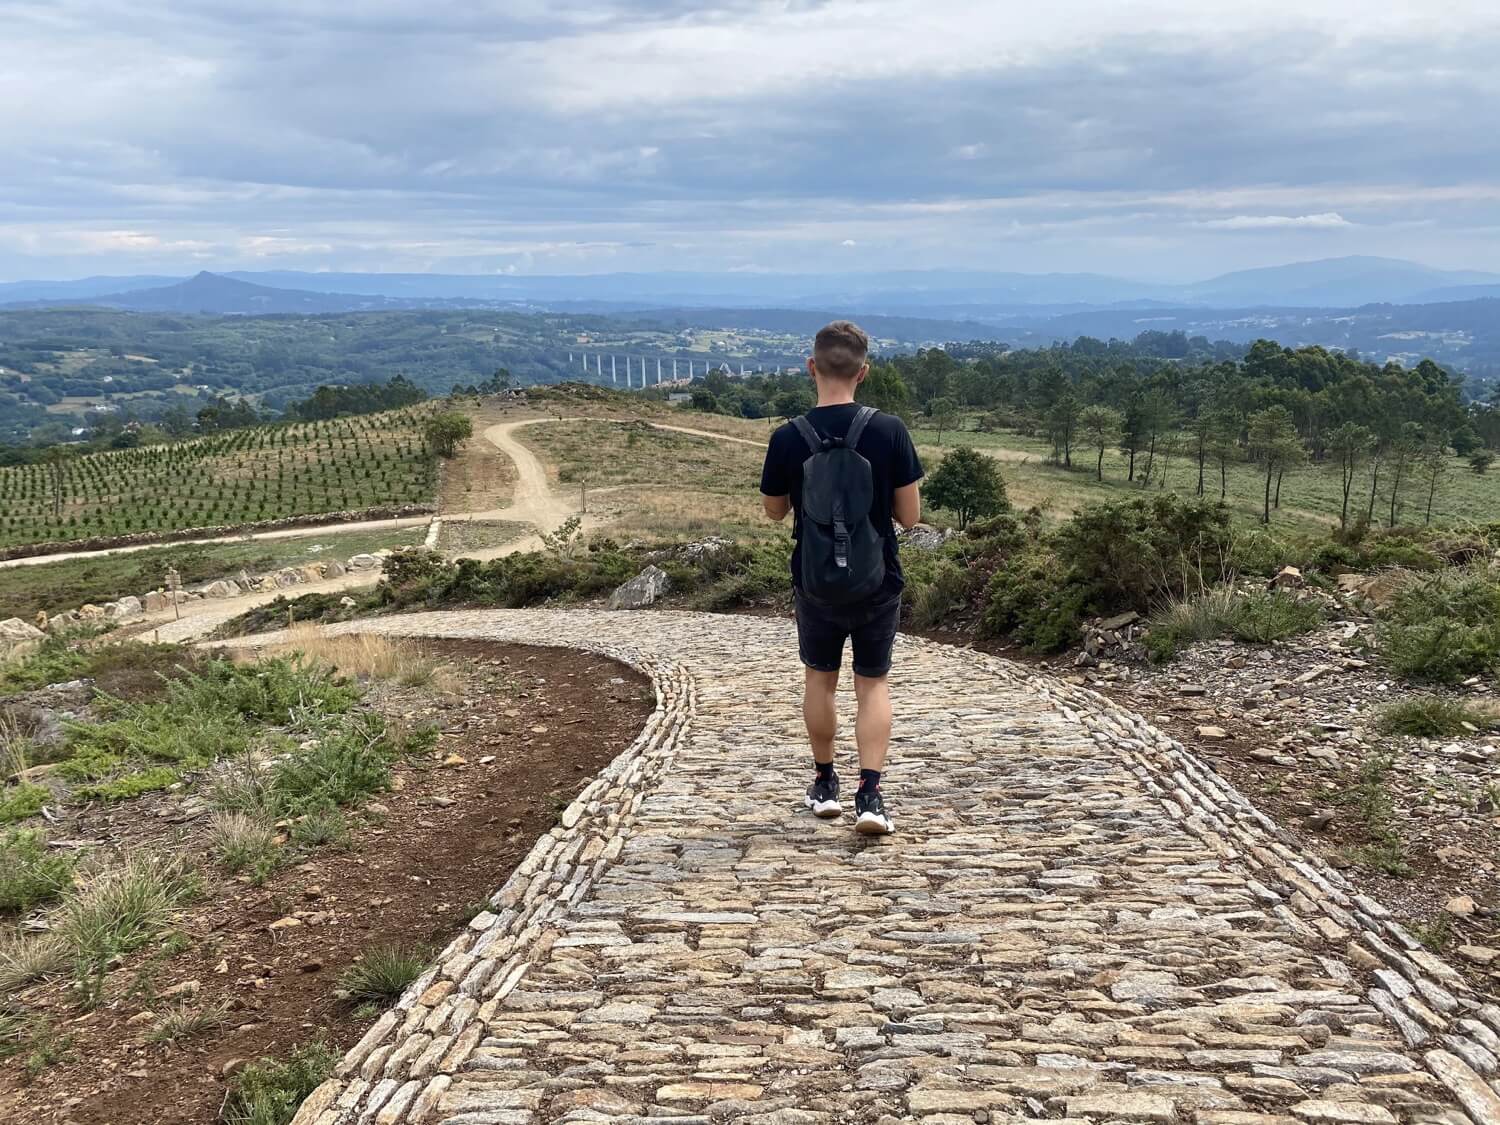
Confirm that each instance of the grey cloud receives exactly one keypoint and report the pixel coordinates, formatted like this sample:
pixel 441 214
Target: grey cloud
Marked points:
pixel 483 134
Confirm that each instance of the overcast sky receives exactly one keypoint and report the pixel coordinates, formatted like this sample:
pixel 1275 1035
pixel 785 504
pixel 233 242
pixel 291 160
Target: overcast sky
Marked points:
pixel 1161 139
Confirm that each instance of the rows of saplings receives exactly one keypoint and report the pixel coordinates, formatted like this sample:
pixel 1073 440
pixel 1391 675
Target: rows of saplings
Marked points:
pixel 244 476
pixel 284 754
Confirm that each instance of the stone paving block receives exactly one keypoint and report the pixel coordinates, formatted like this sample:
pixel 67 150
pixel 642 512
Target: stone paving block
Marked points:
pixel 1076 917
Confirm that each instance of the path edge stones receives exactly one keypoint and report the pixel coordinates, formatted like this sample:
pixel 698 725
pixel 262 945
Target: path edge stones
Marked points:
pixel 1421 995
pixel 399 1070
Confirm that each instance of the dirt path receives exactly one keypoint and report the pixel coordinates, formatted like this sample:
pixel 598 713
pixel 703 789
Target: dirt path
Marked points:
pixel 280 533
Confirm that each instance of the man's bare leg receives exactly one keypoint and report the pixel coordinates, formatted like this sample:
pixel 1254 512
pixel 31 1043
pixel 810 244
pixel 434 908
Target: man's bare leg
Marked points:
pixel 820 712
pixel 872 723
pixel 872 732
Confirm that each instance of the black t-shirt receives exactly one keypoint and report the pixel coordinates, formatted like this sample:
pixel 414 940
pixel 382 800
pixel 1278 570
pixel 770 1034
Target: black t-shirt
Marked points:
pixel 885 444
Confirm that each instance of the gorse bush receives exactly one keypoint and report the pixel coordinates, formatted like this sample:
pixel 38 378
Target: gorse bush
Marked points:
pixel 1443 627
pixel 268 1092
pixel 1126 555
pixel 30 874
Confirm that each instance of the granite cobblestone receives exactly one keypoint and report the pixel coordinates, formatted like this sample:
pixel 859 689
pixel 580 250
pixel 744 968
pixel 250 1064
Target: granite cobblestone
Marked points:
pixel 1077 920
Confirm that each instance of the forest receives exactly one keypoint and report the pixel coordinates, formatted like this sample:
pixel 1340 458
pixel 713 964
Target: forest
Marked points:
pixel 1167 396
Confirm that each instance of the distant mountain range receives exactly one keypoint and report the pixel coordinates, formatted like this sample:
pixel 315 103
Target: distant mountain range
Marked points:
pixel 1330 283
pixel 1380 307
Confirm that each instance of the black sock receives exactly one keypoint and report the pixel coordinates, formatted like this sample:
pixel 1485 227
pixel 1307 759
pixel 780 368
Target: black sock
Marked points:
pixel 825 770
pixel 869 779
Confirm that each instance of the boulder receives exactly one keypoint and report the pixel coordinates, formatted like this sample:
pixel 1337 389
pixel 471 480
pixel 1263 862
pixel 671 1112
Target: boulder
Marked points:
pixel 641 590
pixel 311 572
pixel 223 588
pixel 18 637
pixel 128 606
pixel 287 577
pixel 156 601
pixel 1288 578
pixel 62 622
pixel 333 569
pixel 363 562
pixel 90 612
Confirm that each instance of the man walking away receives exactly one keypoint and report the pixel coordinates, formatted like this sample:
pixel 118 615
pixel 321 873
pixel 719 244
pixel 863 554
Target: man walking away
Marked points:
pixel 847 471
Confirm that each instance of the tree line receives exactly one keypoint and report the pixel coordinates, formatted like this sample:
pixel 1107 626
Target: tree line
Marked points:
pixel 1165 395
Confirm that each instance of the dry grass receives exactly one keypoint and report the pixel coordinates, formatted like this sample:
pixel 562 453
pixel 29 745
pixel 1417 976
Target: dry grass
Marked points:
pixel 481 478
pixel 364 656
pixel 27 958
pixel 671 512
pixel 186 1021
pixel 604 453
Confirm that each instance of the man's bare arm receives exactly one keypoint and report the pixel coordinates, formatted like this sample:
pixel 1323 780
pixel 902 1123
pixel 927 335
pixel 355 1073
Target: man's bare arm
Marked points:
pixel 906 504
pixel 776 507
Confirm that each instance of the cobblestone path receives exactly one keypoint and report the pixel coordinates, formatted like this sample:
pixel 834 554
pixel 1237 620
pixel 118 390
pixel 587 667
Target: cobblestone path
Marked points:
pixel 1075 919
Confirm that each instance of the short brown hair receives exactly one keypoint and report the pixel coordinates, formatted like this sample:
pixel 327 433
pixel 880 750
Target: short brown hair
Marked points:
pixel 840 349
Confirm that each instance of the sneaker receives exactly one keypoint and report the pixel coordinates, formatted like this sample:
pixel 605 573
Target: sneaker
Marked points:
pixel 872 818
pixel 823 797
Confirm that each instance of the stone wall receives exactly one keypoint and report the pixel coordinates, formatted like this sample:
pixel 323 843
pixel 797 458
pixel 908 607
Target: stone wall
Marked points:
pixel 158 600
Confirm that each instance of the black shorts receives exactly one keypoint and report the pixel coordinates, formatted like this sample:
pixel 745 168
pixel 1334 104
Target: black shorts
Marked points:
pixel 822 630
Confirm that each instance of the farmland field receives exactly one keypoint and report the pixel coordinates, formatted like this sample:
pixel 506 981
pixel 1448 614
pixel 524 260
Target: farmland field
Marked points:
pixel 237 477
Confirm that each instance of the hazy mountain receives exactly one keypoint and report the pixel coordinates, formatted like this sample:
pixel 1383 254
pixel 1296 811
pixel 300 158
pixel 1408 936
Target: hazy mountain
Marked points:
pixel 1329 282
pixel 949 294
pixel 14 292
pixel 214 294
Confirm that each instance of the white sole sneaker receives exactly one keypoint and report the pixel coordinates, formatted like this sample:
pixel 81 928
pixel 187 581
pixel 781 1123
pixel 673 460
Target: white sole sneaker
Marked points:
pixel 871 824
pixel 825 810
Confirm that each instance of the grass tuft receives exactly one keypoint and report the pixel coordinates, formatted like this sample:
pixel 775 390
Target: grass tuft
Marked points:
pixel 244 843
pixel 1258 618
pixel 186 1021
pixel 383 973
pixel 118 909
pixel 25 959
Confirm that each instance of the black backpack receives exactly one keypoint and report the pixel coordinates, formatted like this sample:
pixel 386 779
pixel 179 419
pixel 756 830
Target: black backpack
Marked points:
pixel 842 553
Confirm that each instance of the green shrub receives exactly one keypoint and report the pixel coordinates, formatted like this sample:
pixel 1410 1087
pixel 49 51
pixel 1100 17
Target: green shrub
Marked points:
pixel 268 1093
pixel 1261 551
pixel 1265 618
pixel 203 716
pixel 934 589
pixel 349 763
pixel 1442 627
pixel 21 800
pixel 1433 716
pixel 30 874
pixel 54 662
pixel 1032 597
pixel 129 785
pixel 1134 553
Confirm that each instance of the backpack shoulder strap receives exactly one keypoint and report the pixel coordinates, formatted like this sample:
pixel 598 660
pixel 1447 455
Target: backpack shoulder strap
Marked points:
pixel 857 427
pixel 809 435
